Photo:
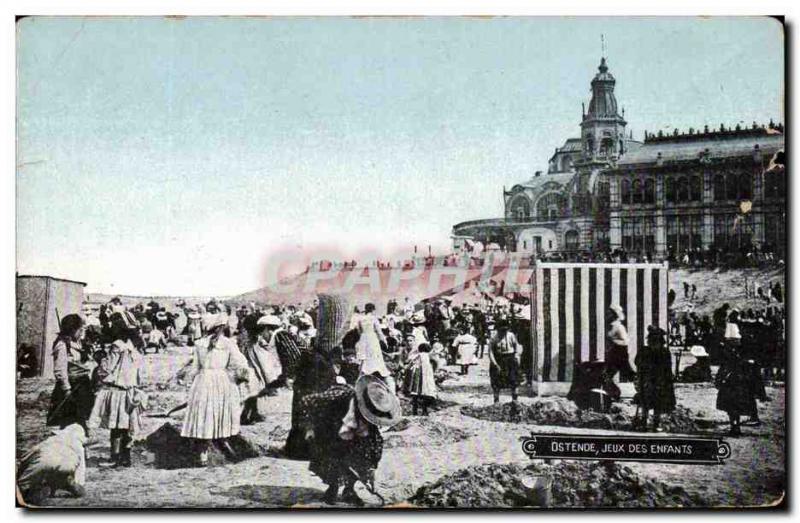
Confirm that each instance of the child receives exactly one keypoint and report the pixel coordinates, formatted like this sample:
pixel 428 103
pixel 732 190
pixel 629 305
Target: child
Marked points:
pixel 438 354
pixel 118 401
pixel 466 345
pixel 423 388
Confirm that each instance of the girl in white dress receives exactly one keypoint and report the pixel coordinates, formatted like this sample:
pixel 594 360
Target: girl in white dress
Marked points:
pixel 214 404
pixel 466 345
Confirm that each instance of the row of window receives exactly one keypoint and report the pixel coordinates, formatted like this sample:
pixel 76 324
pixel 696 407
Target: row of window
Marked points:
pixel 686 232
pixel 680 189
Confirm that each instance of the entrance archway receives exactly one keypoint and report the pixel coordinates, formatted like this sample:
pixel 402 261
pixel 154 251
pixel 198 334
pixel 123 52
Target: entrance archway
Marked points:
pixel 571 240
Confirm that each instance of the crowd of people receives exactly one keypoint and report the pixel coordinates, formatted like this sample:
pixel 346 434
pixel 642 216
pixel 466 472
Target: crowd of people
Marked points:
pixel 350 369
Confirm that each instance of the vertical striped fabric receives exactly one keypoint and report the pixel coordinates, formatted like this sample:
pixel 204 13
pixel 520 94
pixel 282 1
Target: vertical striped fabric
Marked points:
pixel 569 306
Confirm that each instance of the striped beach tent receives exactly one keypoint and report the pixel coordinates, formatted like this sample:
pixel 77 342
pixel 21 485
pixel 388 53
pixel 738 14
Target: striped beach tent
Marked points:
pixel 569 306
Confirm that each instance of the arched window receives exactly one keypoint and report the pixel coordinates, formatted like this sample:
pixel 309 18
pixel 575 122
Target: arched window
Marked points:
pixel 607 146
pixel 746 186
pixel 732 187
pixel 719 188
pixel 649 191
pixel 669 189
pixel 625 191
pixel 551 206
pixel 638 195
pixel 603 195
pixel 682 190
pixel 696 188
pixel 520 208
pixel 571 241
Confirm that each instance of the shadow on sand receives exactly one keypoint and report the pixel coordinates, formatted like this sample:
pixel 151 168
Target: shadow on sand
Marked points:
pixel 280 496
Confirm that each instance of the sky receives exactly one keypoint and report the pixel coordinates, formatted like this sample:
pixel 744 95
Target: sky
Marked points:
pixel 175 156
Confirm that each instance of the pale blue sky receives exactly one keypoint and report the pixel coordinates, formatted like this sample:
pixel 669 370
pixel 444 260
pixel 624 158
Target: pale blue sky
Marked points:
pixel 163 156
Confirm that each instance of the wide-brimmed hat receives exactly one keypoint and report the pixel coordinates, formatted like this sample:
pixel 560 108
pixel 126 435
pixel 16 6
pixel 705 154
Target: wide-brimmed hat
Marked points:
pixel 333 320
pixel 269 320
pixel 418 318
pixel 214 320
pixel 616 309
pixel 698 351
pixel 376 402
pixel 161 315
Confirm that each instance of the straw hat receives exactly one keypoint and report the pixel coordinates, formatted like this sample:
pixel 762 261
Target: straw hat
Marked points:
pixel 333 320
pixel 376 402
pixel 214 320
pixel 698 351
pixel 269 320
pixel 418 318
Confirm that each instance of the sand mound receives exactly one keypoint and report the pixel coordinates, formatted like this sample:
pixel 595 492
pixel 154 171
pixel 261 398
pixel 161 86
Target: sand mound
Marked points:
pixel 415 431
pixel 564 413
pixel 574 484
pixel 171 451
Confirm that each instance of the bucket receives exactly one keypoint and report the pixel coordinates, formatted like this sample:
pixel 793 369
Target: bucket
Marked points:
pixel 538 490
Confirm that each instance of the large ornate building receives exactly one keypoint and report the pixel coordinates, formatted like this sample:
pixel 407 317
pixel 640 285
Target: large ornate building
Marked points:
pixel 698 189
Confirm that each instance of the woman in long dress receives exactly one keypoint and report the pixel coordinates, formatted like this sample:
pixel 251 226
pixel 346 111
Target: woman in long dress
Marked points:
pixel 368 348
pixel 655 388
pixel 318 368
pixel 213 410
pixel 263 360
pixel 617 357
pixel 733 380
pixel 73 397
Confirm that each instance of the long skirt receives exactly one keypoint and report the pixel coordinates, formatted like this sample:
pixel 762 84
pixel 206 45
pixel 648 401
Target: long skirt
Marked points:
pixel 73 408
pixel 214 407
pixel 506 374
pixel 735 394
pixel 265 364
pixel 617 360
pixel 113 409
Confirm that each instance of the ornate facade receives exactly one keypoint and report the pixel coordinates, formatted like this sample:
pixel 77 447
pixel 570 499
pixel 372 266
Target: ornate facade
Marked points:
pixel 665 195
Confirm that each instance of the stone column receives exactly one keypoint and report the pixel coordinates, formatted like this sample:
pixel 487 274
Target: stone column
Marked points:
pixel 708 217
pixel 661 234
pixel 708 228
pixel 759 235
pixel 614 220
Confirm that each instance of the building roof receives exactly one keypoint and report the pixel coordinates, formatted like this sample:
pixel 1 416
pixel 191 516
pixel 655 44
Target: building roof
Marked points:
pixel 719 145
pixel 570 146
pixel 32 276
pixel 537 181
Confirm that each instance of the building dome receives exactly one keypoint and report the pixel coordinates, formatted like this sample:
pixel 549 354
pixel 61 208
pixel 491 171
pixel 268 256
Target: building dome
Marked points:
pixel 603 103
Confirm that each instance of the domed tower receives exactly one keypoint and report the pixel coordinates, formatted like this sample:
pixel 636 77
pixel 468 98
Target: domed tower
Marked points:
pixel 603 142
pixel 602 128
